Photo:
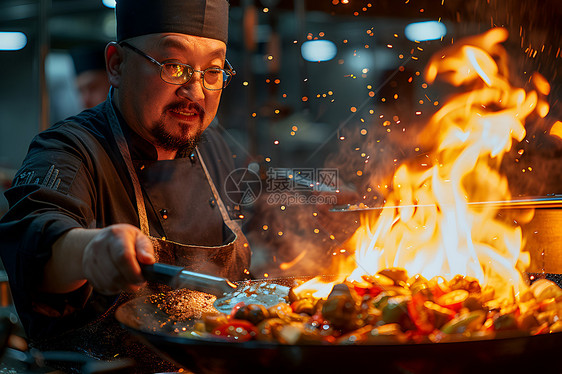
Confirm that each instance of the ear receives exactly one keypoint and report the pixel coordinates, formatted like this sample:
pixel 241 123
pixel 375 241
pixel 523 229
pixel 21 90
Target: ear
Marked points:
pixel 114 63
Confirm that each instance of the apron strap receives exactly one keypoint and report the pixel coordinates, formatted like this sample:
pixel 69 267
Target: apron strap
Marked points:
pixel 225 216
pixel 124 150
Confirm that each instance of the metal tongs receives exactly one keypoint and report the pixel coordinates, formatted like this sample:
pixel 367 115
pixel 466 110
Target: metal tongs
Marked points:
pixel 554 201
pixel 177 277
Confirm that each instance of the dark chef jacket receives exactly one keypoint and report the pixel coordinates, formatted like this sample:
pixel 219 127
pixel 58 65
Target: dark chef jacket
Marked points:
pixel 74 177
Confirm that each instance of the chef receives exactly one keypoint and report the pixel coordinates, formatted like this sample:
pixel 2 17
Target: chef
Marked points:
pixel 91 78
pixel 131 181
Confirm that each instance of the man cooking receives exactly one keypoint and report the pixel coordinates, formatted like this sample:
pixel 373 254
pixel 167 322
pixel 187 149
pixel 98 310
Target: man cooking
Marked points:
pixel 129 182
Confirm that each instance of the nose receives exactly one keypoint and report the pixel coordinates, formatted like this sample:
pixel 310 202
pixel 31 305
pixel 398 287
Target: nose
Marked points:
pixel 193 90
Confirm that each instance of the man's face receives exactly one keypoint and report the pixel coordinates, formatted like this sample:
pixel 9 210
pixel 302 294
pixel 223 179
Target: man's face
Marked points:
pixel 169 116
pixel 93 87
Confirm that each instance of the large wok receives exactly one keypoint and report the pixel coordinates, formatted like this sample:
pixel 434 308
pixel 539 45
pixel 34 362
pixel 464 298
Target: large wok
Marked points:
pixel 515 354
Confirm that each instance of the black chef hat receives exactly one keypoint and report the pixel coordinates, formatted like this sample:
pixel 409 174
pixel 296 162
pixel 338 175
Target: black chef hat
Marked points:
pixel 88 58
pixel 207 18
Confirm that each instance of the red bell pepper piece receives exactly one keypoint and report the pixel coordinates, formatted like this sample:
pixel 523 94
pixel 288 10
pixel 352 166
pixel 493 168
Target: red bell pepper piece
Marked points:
pixel 236 330
pixel 418 314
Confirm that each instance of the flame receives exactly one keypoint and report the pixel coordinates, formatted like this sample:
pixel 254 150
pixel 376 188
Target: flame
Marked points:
pixel 317 288
pixel 429 225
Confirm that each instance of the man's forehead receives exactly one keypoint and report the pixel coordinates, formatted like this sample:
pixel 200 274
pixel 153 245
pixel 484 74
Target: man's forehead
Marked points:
pixel 182 42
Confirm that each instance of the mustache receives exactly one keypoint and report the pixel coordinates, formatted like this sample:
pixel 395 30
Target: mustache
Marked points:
pixel 186 107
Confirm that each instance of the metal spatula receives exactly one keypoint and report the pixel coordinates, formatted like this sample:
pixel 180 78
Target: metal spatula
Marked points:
pixel 228 293
pixel 177 277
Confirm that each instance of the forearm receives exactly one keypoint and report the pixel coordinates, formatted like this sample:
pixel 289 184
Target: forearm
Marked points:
pixel 109 259
pixel 64 272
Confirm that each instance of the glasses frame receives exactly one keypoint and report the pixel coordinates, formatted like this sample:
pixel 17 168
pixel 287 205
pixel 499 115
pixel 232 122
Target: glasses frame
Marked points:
pixel 229 72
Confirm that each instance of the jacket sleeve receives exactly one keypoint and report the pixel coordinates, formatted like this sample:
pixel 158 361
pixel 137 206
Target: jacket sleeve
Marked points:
pixel 51 194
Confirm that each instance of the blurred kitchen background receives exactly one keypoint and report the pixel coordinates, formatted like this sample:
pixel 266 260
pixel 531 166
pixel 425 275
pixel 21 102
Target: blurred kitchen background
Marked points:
pixel 320 83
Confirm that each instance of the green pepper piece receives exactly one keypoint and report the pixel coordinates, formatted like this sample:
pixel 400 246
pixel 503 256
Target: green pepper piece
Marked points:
pixel 505 322
pixel 396 307
pixel 381 299
pixel 464 322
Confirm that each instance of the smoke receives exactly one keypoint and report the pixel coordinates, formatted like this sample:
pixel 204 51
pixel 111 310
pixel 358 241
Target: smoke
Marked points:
pixel 295 240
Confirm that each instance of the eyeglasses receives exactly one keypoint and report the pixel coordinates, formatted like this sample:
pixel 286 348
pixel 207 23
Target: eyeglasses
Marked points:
pixel 214 79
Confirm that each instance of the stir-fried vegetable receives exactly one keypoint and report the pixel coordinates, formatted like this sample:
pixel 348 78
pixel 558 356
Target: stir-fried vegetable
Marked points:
pixel 391 307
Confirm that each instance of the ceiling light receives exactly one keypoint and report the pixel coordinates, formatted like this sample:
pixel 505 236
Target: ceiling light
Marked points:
pixel 429 30
pixel 109 3
pixel 12 41
pixel 318 50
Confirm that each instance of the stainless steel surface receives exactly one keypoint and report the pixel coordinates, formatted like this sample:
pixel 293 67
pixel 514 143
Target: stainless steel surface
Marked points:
pixel 543 240
pixel 35 361
pixel 525 202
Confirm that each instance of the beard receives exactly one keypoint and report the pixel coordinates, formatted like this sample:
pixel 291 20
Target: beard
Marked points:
pixel 170 142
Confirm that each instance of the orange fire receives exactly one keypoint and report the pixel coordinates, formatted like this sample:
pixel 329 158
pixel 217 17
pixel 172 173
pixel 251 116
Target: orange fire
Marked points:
pixel 430 224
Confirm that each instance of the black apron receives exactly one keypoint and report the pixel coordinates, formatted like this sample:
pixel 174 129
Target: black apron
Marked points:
pixel 226 258
pixel 104 338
